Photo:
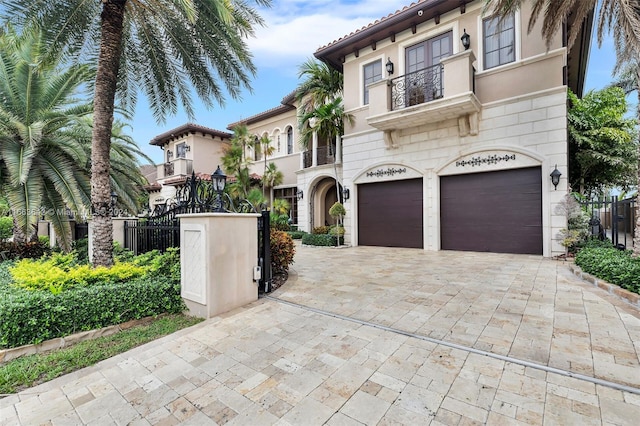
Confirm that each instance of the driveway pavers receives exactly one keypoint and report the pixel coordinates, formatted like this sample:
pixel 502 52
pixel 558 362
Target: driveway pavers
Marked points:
pixel 368 335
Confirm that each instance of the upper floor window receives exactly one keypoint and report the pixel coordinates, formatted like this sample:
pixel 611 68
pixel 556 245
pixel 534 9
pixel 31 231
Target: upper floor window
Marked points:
pixel 371 73
pixel 499 42
pixel 257 149
pixel 289 140
pixel 181 150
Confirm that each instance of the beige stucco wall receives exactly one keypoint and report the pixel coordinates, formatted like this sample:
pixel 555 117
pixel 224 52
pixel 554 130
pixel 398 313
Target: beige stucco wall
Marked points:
pixel 218 254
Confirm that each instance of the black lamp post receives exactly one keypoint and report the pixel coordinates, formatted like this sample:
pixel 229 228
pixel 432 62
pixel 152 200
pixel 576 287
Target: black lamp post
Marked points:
pixel 114 203
pixel 389 66
pixel 219 181
pixel 466 39
pixel 555 177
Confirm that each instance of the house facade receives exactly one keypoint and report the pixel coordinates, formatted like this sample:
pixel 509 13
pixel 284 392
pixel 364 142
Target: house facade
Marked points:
pixel 459 121
pixel 186 149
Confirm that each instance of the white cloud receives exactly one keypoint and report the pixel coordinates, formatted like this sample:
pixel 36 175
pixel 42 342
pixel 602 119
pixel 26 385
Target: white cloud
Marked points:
pixel 295 29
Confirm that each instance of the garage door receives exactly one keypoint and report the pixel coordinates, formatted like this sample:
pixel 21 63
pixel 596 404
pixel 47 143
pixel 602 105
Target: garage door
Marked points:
pixel 390 214
pixel 497 212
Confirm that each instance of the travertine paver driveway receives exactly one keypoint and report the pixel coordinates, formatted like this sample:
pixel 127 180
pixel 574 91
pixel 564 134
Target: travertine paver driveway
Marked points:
pixel 276 362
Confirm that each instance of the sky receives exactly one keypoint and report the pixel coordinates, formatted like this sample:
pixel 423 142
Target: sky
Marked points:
pixel 294 30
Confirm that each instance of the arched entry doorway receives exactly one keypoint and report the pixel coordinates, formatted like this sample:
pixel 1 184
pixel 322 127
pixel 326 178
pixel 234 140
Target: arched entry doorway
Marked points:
pixel 323 196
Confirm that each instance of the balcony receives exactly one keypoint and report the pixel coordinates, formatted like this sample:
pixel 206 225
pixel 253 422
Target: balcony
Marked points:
pixel 323 156
pixel 177 167
pixel 442 92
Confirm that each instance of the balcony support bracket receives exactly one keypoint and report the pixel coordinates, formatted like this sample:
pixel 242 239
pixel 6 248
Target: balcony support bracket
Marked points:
pixel 391 139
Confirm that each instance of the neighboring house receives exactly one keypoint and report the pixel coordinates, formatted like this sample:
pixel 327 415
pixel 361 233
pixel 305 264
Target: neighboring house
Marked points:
pixel 452 146
pixel 187 148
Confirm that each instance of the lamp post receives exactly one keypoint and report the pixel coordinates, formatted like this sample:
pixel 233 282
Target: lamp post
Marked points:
pixel 114 203
pixel 218 181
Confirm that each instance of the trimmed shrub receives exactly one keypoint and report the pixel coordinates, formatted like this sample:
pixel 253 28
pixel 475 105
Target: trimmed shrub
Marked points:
pixel 296 235
pixel 612 265
pixel 282 251
pixel 6 227
pixel 321 240
pixel 336 230
pixel 29 317
pixel 28 250
pixel 320 230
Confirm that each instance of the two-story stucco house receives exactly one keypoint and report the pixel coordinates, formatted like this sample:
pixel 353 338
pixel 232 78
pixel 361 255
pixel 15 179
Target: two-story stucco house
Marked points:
pixel 459 122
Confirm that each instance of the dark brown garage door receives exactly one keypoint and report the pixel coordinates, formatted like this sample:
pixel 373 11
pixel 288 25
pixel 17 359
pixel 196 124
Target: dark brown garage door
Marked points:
pixel 390 214
pixel 497 212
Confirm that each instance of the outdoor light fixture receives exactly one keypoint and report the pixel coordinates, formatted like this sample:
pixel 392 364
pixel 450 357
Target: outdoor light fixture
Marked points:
pixel 345 194
pixel 218 181
pixel 555 177
pixel 389 66
pixel 169 153
pixel 466 39
pixel 187 148
pixel 299 195
pixel 114 202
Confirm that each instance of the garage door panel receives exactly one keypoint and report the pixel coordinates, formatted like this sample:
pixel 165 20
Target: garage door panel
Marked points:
pixel 494 212
pixel 390 214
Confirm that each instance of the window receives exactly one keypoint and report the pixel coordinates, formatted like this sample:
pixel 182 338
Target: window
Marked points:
pixel 499 41
pixel 371 73
pixel 289 140
pixel 289 194
pixel 181 150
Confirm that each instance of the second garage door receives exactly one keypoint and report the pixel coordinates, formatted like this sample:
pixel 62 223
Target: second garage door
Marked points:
pixel 390 214
pixel 497 212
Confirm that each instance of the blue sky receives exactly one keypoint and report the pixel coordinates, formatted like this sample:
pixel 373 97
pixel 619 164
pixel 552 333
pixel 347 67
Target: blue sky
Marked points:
pixel 294 30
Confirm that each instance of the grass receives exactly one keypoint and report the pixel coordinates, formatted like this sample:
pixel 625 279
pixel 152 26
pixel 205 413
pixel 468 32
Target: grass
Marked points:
pixel 28 371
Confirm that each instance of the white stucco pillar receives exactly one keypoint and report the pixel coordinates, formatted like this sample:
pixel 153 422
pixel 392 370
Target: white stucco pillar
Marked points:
pixel 314 149
pixel 218 260
pixel 338 149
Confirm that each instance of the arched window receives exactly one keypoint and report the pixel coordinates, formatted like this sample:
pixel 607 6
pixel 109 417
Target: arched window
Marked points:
pixel 289 140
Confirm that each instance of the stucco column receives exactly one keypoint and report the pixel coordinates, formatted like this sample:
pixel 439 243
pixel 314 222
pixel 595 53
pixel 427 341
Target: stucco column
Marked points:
pixel 314 149
pixel 218 261
pixel 338 149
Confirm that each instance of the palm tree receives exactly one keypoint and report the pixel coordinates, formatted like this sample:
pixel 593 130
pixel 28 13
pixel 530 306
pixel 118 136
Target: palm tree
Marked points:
pixel 271 177
pixel 621 17
pixel 321 84
pixel 41 155
pixel 267 150
pixel 163 48
pixel 126 179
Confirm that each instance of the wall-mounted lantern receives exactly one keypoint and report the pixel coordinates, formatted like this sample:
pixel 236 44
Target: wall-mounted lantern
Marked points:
pixel 555 177
pixel 299 195
pixel 389 66
pixel 466 39
pixel 345 194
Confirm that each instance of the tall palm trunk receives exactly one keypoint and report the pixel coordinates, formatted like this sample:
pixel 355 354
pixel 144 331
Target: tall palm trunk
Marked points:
pixel 105 90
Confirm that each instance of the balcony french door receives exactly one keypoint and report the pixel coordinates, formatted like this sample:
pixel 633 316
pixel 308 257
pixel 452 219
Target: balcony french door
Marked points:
pixel 424 81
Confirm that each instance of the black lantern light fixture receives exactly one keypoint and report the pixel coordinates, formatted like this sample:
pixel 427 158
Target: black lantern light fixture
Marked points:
pixel 299 194
pixel 466 39
pixel 169 153
pixel 345 194
pixel 555 177
pixel 389 66
pixel 114 203
pixel 218 181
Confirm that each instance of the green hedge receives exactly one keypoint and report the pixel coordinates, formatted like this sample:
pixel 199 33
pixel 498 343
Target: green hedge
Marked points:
pixel 296 235
pixel 321 240
pixel 28 317
pixel 611 265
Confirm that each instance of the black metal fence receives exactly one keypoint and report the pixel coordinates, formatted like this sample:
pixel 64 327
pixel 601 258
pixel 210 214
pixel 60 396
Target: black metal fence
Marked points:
pixel 612 219
pixel 264 252
pixel 142 236
pixel 80 230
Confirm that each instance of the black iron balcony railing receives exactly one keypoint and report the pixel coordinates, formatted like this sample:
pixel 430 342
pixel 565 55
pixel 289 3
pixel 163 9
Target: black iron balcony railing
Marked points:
pixel 168 169
pixel 417 87
pixel 324 156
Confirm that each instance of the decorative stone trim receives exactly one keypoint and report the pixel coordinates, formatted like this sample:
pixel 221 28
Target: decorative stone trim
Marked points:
pixel 7 355
pixel 490 159
pixel 619 292
pixel 390 171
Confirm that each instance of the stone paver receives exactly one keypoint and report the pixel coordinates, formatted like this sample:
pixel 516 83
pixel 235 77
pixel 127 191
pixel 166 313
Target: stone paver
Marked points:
pixel 276 363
